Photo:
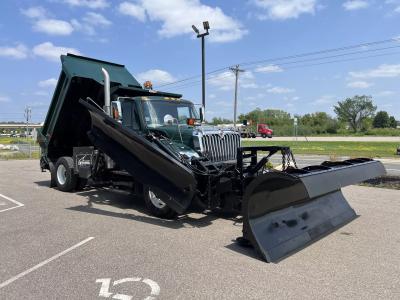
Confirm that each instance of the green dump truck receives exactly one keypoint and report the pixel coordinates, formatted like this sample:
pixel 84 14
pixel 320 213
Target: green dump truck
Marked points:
pixel 104 129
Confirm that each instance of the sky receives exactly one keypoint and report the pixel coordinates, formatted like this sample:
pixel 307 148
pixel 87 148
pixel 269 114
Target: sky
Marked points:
pixel 155 41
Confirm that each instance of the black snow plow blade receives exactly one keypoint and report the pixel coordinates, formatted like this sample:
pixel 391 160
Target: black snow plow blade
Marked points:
pixel 285 211
pixel 142 159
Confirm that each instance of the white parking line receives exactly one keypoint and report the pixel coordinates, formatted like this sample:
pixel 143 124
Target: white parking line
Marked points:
pixel 34 268
pixel 18 204
pixel 393 170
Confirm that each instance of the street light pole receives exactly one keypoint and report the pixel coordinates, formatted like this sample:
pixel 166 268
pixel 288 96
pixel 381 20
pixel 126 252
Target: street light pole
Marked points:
pixel 206 26
pixel 203 78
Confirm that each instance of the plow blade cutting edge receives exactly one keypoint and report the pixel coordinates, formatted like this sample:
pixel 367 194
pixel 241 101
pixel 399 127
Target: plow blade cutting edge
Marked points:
pixel 285 211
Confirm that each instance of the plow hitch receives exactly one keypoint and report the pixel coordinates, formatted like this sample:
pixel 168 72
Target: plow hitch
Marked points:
pixel 284 211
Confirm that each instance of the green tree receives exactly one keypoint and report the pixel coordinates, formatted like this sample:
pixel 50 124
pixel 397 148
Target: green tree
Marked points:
pixel 271 117
pixel 355 111
pixel 392 122
pixel 381 120
pixel 218 121
pixel 319 122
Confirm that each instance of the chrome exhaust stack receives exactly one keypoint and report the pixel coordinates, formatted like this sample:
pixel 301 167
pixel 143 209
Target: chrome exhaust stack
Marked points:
pixel 107 100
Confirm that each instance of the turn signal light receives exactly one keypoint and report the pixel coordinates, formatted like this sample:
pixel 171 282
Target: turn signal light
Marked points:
pixel 190 121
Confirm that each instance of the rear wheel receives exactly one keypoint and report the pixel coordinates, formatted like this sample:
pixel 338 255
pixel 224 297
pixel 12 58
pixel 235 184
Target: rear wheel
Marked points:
pixel 156 205
pixel 65 178
pixel 263 136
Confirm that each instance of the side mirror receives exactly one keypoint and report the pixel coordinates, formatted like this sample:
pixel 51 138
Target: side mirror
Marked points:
pixel 116 111
pixel 201 113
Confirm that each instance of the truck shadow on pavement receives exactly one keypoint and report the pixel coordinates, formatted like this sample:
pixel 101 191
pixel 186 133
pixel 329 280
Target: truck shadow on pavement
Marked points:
pixel 114 200
pixel 120 199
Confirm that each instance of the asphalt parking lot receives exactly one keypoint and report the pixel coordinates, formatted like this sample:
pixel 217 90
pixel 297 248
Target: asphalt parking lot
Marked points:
pixel 99 244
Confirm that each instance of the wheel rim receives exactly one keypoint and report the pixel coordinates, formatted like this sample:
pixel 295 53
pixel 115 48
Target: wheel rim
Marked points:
pixel 157 202
pixel 61 174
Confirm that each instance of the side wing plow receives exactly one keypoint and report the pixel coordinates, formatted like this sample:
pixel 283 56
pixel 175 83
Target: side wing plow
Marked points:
pixel 285 211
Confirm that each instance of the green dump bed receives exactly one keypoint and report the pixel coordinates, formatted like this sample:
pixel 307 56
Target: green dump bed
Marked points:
pixel 67 122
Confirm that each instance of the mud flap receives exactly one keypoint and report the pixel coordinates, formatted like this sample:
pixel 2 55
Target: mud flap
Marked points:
pixel 283 213
pixel 146 162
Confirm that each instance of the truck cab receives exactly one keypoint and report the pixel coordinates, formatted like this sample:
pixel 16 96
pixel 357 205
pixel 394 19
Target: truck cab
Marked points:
pixel 171 117
pixel 264 130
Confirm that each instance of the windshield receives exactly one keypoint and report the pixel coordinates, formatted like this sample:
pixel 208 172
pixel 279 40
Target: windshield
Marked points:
pixel 166 112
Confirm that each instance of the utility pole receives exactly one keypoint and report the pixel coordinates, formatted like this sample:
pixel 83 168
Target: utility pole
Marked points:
pixel 236 70
pixel 28 115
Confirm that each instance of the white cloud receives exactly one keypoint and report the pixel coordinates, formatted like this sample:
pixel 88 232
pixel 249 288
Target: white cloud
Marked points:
pixel 20 51
pixel 89 22
pixel 383 71
pixel 51 82
pixel 93 4
pixel 250 85
pixel 279 90
pixel 42 23
pixel 133 10
pixel 51 52
pixel 34 12
pixel 83 27
pixel 286 9
pixel 53 27
pixel 226 80
pixel 156 76
pixel 178 16
pixel 396 3
pixel 224 104
pixel 41 93
pixel 96 19
pixel 4 99
pixel 355 4
pixel 359 84
pixel 325 99
pixel 269 69
pixel 384 94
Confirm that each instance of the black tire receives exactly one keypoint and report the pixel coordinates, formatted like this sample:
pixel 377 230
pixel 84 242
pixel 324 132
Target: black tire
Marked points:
pixel 164 212
pixel 269 136
pixel 53 175
pixel 68 181
pixel 263 136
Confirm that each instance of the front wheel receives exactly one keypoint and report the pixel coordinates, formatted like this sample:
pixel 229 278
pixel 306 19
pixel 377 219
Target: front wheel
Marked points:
pixel 65 177
pixel 156 206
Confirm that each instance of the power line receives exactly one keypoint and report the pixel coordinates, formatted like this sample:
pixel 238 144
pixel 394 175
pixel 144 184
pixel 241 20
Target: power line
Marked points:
pixel 190 84
pixel 322 51
pixel 294 56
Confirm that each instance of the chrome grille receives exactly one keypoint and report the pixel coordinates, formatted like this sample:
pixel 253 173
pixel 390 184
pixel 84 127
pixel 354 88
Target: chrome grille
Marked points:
pixel 217 148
